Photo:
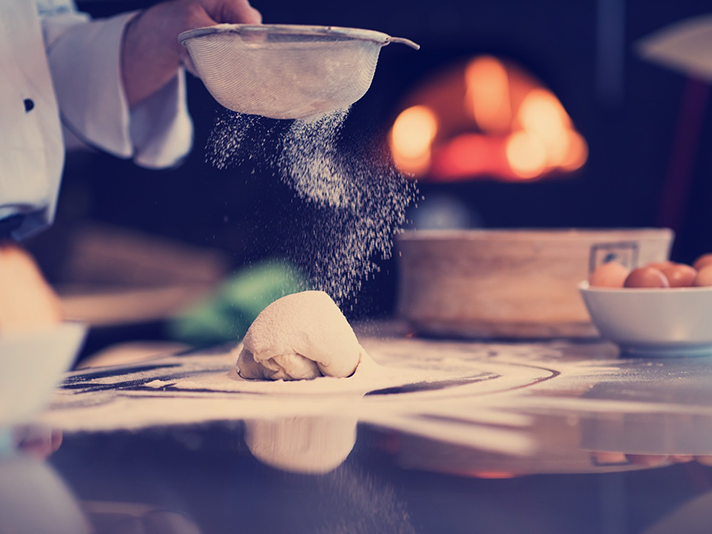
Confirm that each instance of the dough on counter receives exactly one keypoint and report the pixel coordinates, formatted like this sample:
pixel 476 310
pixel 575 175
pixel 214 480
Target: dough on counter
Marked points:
pixel 300 336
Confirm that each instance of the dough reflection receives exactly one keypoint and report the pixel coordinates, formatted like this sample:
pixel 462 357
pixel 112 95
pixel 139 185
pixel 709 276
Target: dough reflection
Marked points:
pixel 311 445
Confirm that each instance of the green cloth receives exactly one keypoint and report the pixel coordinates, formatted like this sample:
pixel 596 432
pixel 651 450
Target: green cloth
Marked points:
pixel 228 313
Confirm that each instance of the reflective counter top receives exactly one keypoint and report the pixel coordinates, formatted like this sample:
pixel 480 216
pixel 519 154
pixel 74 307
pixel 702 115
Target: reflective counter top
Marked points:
pixel 554 437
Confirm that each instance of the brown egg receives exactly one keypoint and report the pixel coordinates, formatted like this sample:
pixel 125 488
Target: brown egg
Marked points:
pixel 702 261
pixel 660 264
pixel 646 277
pixel 680 275
pixel 611 274
pixel 704 277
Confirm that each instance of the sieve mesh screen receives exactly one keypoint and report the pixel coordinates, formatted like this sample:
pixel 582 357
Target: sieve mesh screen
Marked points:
pixel 285 72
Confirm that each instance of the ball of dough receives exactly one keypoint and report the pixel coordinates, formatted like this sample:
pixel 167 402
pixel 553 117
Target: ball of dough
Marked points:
pixel 300 336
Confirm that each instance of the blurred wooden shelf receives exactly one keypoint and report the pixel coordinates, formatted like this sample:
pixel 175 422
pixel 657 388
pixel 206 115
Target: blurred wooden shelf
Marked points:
pixel 107 306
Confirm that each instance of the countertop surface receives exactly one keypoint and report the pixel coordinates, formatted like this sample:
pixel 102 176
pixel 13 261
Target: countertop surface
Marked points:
pixel 451 436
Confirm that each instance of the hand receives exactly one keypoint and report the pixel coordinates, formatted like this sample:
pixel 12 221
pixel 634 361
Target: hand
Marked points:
pixel 151 53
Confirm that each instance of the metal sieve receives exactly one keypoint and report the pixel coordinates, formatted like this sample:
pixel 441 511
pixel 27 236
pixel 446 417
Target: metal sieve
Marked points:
pixel 286 71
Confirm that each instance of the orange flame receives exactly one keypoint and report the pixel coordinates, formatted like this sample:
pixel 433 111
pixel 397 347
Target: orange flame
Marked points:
pixel 510 127
pixel 487 85
pixel 526 154
pixel 411 139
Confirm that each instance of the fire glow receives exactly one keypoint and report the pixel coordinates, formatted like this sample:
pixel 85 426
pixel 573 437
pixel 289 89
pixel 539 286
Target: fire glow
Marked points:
pixel 486 119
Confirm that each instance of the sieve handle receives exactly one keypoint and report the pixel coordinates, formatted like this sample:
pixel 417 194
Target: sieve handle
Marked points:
pixel 402 40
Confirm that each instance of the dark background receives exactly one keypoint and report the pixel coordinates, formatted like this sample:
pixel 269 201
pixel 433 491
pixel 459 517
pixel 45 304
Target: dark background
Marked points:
pixel 630 128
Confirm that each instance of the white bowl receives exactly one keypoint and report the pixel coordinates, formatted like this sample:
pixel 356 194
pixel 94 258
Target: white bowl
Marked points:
pixel 653 322
pixel 31 366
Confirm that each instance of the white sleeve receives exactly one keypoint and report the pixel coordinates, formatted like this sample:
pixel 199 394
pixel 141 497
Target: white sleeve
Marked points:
pixel 85 60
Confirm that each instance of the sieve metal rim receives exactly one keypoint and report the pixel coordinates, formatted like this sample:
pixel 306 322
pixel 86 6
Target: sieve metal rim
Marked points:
pixel 356 34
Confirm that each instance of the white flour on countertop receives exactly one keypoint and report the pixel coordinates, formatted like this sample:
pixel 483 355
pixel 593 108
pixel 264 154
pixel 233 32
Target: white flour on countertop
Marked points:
pixel 369 377
pixel 217 374
pixel 491 394
pixel 463 370
pixel 474 394
pixel 202 388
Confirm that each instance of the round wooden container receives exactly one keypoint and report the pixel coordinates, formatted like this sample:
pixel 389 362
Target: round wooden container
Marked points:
pixel 511 283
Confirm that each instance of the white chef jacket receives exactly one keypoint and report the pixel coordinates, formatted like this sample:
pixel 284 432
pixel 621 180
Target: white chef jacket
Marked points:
pixel 58 67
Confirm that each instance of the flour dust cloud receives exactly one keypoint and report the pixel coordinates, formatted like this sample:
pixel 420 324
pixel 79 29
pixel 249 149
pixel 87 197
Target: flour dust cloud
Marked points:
pixel 354 200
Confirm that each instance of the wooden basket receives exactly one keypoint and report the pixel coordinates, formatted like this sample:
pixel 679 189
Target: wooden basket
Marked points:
pixel 511 283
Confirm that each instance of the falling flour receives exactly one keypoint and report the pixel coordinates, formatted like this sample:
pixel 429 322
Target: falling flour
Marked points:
pixel 355 201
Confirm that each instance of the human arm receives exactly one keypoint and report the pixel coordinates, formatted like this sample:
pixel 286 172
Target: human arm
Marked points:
pixel 119 82
pixel 84 58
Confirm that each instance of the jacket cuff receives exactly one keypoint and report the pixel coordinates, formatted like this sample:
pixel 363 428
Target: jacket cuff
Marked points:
pixel 85 60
